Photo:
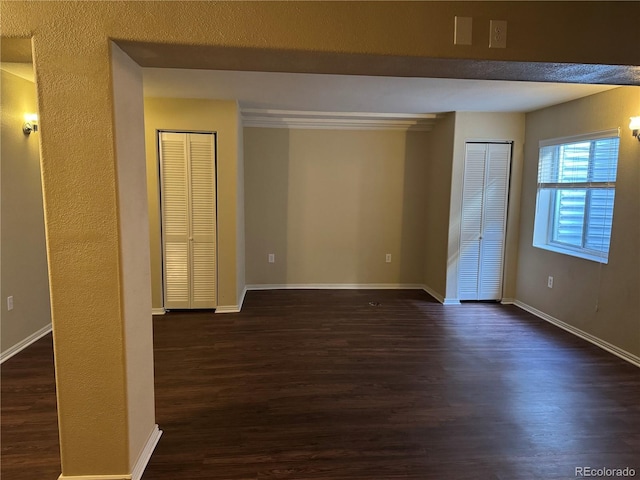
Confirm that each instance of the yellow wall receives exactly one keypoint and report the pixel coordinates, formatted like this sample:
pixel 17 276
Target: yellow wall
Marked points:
pixel 330 204
pixel 240 222
pixel 24 257
pixel 581 285
pixel 206 116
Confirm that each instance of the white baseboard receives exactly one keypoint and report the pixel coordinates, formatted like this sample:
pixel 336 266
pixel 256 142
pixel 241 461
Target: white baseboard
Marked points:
pixel 95 477
pixel 233 308
pixel 355 286
pixel 451 301
pixel 337 286
pixel 18 347
pixel 617 351
pixel 158 311
pixel 244 294
pixel 138 468
pixel 228 309
pixel 433 293
pixel 145 455
pixel 508 301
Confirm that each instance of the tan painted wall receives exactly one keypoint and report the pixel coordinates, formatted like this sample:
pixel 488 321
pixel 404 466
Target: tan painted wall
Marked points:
pixel 579 285
pixel 397 31
pixel 206 116
pixel 240 224
pixel 485 127
pixel 134 250
pixel 330 204
pixel 24 257
pixel 438 191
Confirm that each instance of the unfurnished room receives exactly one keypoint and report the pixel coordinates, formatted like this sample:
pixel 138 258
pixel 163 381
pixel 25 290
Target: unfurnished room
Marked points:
pixel 319 240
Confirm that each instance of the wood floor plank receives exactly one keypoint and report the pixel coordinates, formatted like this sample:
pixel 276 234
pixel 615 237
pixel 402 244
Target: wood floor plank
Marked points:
pixel 28 419
pixel 321 385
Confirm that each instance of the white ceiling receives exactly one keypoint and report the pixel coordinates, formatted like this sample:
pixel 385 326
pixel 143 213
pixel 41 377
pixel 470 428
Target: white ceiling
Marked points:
pixel 22 70
pixel 352 93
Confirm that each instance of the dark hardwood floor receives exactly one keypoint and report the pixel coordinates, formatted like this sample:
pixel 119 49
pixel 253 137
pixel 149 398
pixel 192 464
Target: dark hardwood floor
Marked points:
pixel 322 385
pixel 29 447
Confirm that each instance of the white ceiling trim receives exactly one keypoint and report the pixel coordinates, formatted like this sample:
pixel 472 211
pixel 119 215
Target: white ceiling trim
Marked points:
pixel 270 118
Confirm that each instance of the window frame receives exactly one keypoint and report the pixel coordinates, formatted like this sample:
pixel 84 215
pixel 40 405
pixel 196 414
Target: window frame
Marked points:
pixel 545 224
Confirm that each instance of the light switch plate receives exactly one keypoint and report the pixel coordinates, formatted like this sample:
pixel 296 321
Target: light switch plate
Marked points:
pixel 462 30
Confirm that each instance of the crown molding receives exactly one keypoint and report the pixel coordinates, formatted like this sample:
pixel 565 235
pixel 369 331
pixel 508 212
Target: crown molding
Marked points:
pixel 267 118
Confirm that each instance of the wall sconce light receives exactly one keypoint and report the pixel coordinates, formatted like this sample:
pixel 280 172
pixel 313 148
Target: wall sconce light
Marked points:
pixel 634 126
pixel 30 123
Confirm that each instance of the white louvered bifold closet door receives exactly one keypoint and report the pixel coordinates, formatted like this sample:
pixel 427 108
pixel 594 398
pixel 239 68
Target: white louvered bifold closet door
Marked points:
pixel 188 219
pixel 483 222
pixel 203 221
pixel 471 221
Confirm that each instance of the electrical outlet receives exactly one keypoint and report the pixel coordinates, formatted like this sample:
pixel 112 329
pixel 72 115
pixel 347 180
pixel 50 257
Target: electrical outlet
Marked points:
pixel 497 34
pixel 272 258
pixel 10 303
pixel 387 258
pixel 550 282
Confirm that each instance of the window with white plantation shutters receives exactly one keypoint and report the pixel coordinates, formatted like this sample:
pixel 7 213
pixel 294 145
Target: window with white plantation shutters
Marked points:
pixel 576 193
pixel 188 204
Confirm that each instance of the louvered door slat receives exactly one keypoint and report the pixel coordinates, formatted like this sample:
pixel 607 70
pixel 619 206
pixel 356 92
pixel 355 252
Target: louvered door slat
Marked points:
pixel 203 206
pixel 175 219
pixel 471 221
pixel 203 224
pixel 494 221
pixel 495 197
pixel 490 270
pixel 204 278
pixel 174 186
pixel 468 270
pixel 176 275
pixel 472 192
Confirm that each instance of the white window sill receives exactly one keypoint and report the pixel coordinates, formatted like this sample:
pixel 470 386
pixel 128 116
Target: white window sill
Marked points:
pixel 572 252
